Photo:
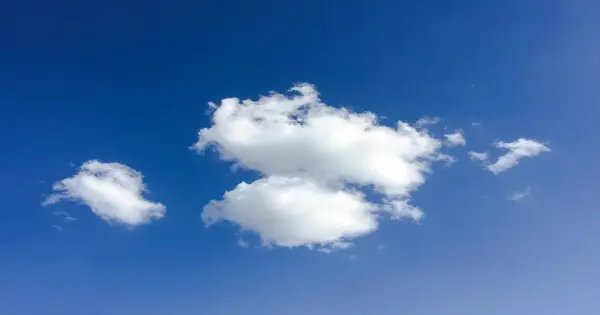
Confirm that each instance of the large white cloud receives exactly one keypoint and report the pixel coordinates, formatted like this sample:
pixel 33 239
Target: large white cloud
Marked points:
pixel 309 154
pixel 517 150
pixel 113 191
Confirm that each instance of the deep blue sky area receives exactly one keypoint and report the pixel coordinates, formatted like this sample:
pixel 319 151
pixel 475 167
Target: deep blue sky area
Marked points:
pixel 129 82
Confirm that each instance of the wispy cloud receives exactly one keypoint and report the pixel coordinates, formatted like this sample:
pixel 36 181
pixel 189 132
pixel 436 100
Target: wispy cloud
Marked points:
pixel 517 150
pixel 57 228
pixel 520 195
pixel 65 216
pixel 427 121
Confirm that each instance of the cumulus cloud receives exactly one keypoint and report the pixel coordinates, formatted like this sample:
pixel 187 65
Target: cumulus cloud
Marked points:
pixel 478 156
pixel 517 150
pixel 294 211
pixel 315 160
pixel 457 138
pixel 520 195
pixel 113 191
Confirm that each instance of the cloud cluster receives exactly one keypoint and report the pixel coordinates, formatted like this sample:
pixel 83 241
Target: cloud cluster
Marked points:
pixel 326 175
pixel 113 191
pixel 314 160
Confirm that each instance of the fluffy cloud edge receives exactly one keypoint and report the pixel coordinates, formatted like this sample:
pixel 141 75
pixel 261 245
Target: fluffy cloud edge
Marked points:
pixel 520 195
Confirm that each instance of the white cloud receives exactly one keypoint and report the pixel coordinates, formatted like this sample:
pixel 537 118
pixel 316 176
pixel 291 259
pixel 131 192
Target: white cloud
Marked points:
pixel 426 121
pixel 113 191
pixel 478 156
pixel 476 124
pixel 57 228
pixel 294 211
pixel 65 216
pixel 520 195
pixel 455 139
pixel 340 245
pixel 517 150
pixel 310 154
pixel 400 209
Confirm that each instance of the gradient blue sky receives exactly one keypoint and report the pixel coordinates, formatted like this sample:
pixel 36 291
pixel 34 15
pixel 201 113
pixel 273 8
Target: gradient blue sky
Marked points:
pixel 128 82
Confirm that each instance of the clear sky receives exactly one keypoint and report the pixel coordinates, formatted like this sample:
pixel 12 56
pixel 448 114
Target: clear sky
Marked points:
pixel 127 84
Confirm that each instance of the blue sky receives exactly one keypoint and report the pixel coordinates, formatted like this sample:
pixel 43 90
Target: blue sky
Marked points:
pixel 129 82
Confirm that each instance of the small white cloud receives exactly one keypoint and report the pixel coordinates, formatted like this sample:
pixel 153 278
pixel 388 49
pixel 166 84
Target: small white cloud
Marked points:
pixel 339 245
pixel 243 244
pixel 520 195
pixel 113 191
pixel 448 159
pixel 57 228
pixel 312 158
pixel 476 124
pixel 455 139
pixel 517 150
pixel 427 121
pixel 478 156
pixel 69 219
pixel 65 216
